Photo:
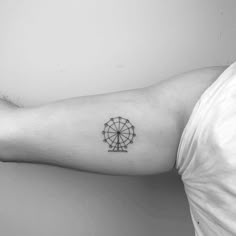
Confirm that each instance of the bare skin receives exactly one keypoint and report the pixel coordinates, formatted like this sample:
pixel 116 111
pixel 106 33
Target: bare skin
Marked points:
pixel 68 132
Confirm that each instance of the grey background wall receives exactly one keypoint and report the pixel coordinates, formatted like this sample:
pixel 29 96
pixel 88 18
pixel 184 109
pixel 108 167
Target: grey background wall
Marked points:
pixel 57 49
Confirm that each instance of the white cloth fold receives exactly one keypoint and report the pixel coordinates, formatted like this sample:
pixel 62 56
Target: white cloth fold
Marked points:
pixel 206 158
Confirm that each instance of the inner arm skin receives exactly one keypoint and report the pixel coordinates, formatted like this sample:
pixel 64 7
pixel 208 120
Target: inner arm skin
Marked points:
pixel 68 132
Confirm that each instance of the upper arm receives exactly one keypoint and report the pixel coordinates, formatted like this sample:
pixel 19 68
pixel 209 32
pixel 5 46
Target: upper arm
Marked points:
pixel 70 132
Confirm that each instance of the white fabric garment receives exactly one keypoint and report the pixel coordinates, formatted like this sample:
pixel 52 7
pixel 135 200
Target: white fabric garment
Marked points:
pixel 206 158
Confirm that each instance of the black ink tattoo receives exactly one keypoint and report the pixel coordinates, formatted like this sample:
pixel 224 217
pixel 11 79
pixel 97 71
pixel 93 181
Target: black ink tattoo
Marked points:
pixel 118 134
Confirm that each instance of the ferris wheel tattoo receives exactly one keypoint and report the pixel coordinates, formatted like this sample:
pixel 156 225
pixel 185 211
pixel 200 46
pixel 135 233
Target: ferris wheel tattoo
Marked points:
pixel 118 134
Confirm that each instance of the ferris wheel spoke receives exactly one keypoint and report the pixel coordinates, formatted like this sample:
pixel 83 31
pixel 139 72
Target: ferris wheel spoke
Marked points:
pixel 112 135
pixel 113 140
pixel 127 138
pixel 122 126
pixel 125 133
pixel 112 128
pixel 122 139
pixel 115 125
pixel 125 129
pixel 111 132
pixel 119 125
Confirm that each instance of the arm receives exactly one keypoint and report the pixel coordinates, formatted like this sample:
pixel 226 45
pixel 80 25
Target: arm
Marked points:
pixel 68 132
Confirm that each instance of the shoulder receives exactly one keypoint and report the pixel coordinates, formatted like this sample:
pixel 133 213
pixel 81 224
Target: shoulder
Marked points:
pixel 179 93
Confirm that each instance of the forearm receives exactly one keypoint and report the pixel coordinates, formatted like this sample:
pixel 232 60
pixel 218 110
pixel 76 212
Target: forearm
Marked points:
pixel 69 133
